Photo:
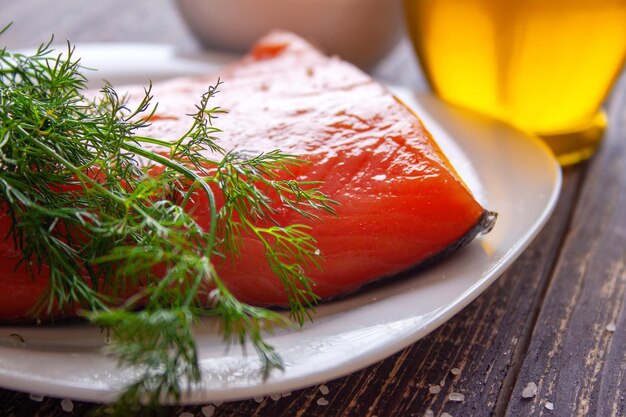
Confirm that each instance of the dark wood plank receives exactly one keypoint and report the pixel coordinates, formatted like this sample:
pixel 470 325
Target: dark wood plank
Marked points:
pixel 576 362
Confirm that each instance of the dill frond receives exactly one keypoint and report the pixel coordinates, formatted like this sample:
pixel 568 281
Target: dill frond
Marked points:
pixel 118 239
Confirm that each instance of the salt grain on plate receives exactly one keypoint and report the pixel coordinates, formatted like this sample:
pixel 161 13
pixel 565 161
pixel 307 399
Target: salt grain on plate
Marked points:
pixel 322 401
pixel 550 406
pixel 434 389
pixel 258 399
pixel 218 403
pixel 455 371
pixel 275 397
pixel 286 394
pixel 456 397
pixel 446 415
pixel 443 382
pixel 208 410
pixel 530 391
pixel 67 405
pixel 429 413
pixel 185 414
pixel 611 327
pixel 37 397
pixel 324 389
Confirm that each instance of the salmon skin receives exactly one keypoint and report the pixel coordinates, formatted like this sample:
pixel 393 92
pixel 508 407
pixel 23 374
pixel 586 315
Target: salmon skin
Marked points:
pixel 401 204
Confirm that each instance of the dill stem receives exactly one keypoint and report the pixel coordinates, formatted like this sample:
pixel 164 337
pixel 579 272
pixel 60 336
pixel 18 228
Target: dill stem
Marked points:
pixel 154 141
pixel 169 163
pixel 75 170
pixel 196 283
pixel 169 145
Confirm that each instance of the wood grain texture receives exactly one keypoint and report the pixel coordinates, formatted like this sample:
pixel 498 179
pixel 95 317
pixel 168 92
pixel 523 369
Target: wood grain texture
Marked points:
pixel 577 364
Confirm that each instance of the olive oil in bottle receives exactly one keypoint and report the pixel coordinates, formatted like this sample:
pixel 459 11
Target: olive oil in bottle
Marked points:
pixel 544 66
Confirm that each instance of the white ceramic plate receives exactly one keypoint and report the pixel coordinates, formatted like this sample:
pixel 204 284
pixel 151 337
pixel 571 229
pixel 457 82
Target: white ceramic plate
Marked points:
pixel 510 173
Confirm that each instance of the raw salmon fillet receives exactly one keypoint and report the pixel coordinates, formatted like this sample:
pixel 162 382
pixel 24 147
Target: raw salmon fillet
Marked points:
pixel 400 201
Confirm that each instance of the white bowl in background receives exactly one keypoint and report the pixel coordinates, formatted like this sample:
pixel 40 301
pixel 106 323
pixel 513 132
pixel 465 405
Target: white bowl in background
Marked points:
pixel 359 31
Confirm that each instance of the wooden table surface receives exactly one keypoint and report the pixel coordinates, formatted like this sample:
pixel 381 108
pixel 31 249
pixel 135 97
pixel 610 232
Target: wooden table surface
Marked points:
pixel 544 321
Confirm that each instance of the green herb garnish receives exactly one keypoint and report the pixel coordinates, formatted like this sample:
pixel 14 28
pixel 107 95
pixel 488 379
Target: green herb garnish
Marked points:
pixel 106 225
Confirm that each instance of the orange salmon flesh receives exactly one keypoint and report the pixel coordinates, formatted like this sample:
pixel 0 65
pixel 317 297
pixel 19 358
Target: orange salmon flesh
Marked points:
pixel 400 201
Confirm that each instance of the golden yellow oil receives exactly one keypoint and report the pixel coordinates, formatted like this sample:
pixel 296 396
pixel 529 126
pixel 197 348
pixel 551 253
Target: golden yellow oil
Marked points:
pixel 545 66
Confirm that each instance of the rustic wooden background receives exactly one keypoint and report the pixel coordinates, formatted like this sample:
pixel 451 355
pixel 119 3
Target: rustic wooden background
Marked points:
pixel 548 320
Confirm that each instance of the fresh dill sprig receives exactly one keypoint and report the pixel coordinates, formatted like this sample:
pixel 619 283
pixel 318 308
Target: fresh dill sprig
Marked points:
pixel 118 238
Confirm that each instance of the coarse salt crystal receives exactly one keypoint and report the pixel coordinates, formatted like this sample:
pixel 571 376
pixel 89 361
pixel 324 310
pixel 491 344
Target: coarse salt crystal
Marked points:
pixel 446 415
pixel 429 413
pixel 322 401
pixel 611 327
pixel 258 399
pixel 434 389
pixel 550 406
pixel 530 390
pixel 37 397
pixel 275 397
pixel 443 382
pixel 455 371
pixel 324 389
pixel 456 397
pixel 286 394
pixel 208 410
pixel 67 405
pixel 218 403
